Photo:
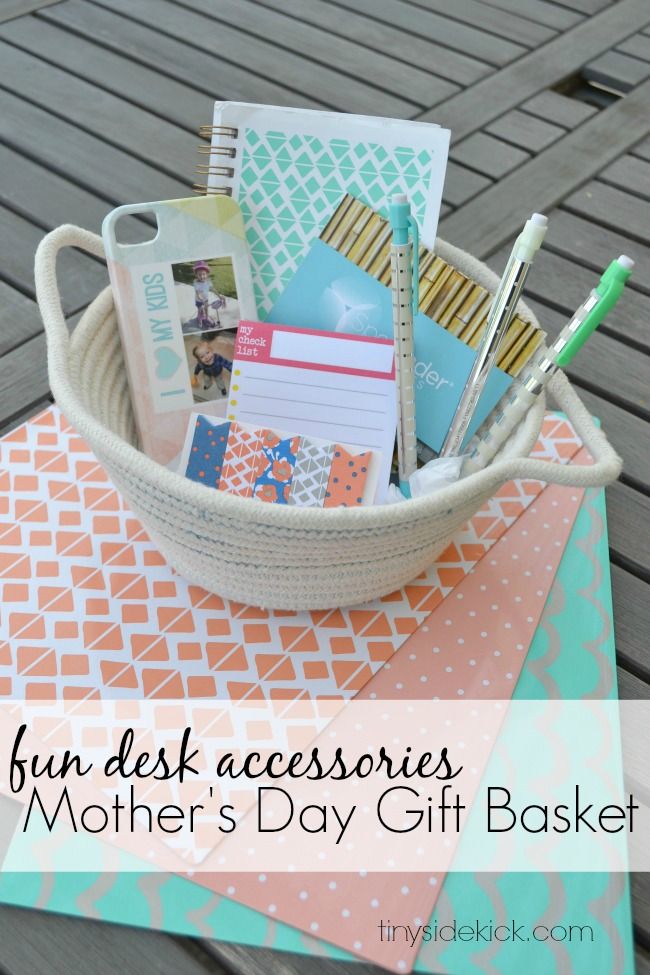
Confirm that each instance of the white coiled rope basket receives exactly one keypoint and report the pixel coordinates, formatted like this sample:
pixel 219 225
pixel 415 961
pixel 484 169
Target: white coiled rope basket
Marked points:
pixel 271 555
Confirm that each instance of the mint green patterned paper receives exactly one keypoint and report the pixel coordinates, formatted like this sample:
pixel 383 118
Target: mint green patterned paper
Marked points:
pixel 291 184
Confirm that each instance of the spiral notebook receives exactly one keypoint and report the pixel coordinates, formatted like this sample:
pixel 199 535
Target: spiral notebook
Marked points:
pixel 290 168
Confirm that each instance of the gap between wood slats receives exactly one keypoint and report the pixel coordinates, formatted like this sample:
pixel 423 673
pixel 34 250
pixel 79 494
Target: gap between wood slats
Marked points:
pixel 171 102
pixel 484 17
pixel 206 71
pixel 95 110
pixel 631 622
pixel 454 35
pixel 347 58
pixel 11 9
pixel 84 160
pixel 629 173
pixel 611 207
pixel 43 943
pixel 628 514
pixel 342 88
pixel 540 12
pixel 494 217
pixel 37 407
pixel 486 100
pixel 381 40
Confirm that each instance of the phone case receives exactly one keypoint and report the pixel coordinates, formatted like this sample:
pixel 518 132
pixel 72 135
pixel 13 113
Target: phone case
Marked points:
pixel 179 298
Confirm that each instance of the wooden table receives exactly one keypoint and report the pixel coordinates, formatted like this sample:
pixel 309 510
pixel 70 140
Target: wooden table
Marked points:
pixel 547 101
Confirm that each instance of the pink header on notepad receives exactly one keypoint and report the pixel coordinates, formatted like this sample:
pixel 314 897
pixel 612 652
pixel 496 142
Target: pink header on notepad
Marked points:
pixel 308 348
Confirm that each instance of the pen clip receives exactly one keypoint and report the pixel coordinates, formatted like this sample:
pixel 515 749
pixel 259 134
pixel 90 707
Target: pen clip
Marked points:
pixel 415 268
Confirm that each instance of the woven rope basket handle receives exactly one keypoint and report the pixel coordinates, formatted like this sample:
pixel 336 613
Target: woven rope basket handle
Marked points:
pixel 606 464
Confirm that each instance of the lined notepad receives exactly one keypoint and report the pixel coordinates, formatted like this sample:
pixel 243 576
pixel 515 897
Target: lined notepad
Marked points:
pixel 318 384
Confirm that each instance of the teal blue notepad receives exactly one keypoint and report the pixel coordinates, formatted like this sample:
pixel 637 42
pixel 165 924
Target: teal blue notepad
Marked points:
pixel 330 292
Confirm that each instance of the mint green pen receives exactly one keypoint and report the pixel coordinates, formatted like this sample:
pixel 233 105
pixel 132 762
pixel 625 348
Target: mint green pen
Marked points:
pixel 514 404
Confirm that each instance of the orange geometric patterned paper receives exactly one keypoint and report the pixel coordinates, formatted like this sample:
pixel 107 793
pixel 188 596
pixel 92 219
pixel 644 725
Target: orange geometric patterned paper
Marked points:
pixel 142 613
pixel 96 611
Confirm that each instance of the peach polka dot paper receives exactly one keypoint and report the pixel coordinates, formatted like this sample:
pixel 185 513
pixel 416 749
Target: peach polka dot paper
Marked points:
pixel 473 645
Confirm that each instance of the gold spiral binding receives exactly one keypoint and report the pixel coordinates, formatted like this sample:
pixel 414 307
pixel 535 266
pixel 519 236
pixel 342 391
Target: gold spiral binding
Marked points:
pixel 226 171
pixel 207 131
pixel 213 169
pixel 217 150
pixel 206 190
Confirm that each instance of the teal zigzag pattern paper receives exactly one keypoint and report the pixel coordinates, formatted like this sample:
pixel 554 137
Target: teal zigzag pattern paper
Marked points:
pixel 290 184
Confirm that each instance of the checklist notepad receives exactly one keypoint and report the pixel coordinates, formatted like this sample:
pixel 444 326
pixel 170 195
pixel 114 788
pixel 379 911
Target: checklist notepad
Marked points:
pixel 289 168
pixel 317 384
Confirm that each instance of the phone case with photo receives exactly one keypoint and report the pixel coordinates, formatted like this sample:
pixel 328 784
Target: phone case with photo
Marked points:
pixel 179 298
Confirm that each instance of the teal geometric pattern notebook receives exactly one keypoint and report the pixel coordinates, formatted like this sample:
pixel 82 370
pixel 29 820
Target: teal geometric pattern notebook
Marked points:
pixel 572 657
pixel 289 169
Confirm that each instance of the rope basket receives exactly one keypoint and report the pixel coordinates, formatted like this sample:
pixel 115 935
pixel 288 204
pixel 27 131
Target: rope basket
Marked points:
pixel 271 555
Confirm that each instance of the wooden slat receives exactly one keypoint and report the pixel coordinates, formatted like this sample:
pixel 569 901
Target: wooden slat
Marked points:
pixel 23 378
pixel 80 277
pixel 637 46
pixel 147 137
pixel 359 22
pixel 632 621
pixel 642 961
pixel 611 207
pixel 135 83
pixel 236 959
pixel 19 318
pixel 617 71
pixel 557 108
pixel 354 60
pixel 631 688
pixel 629 173
pixel 579 240
pixel 521 29
pixel 639 882
pixel 627 511
pixel 19 8
pixel 6 426
pixel 585 6
pixel 550 14
pixel 496 215
pixel 626 432
pixel 319 81
pixel 428 57
pixel 491 97
pixel 565 284
pixel 39 194
pixel 419 77
pixel 82 158
pixel 488 155
pixel 52 944
pixel 425 23
pixel 392 18
pixel 642 149
pixel 607 367
pixel 205 70
pixel 524 130
pixel 461 184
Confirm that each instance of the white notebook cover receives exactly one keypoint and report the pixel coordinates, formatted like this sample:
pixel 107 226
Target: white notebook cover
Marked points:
pixel 289 168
